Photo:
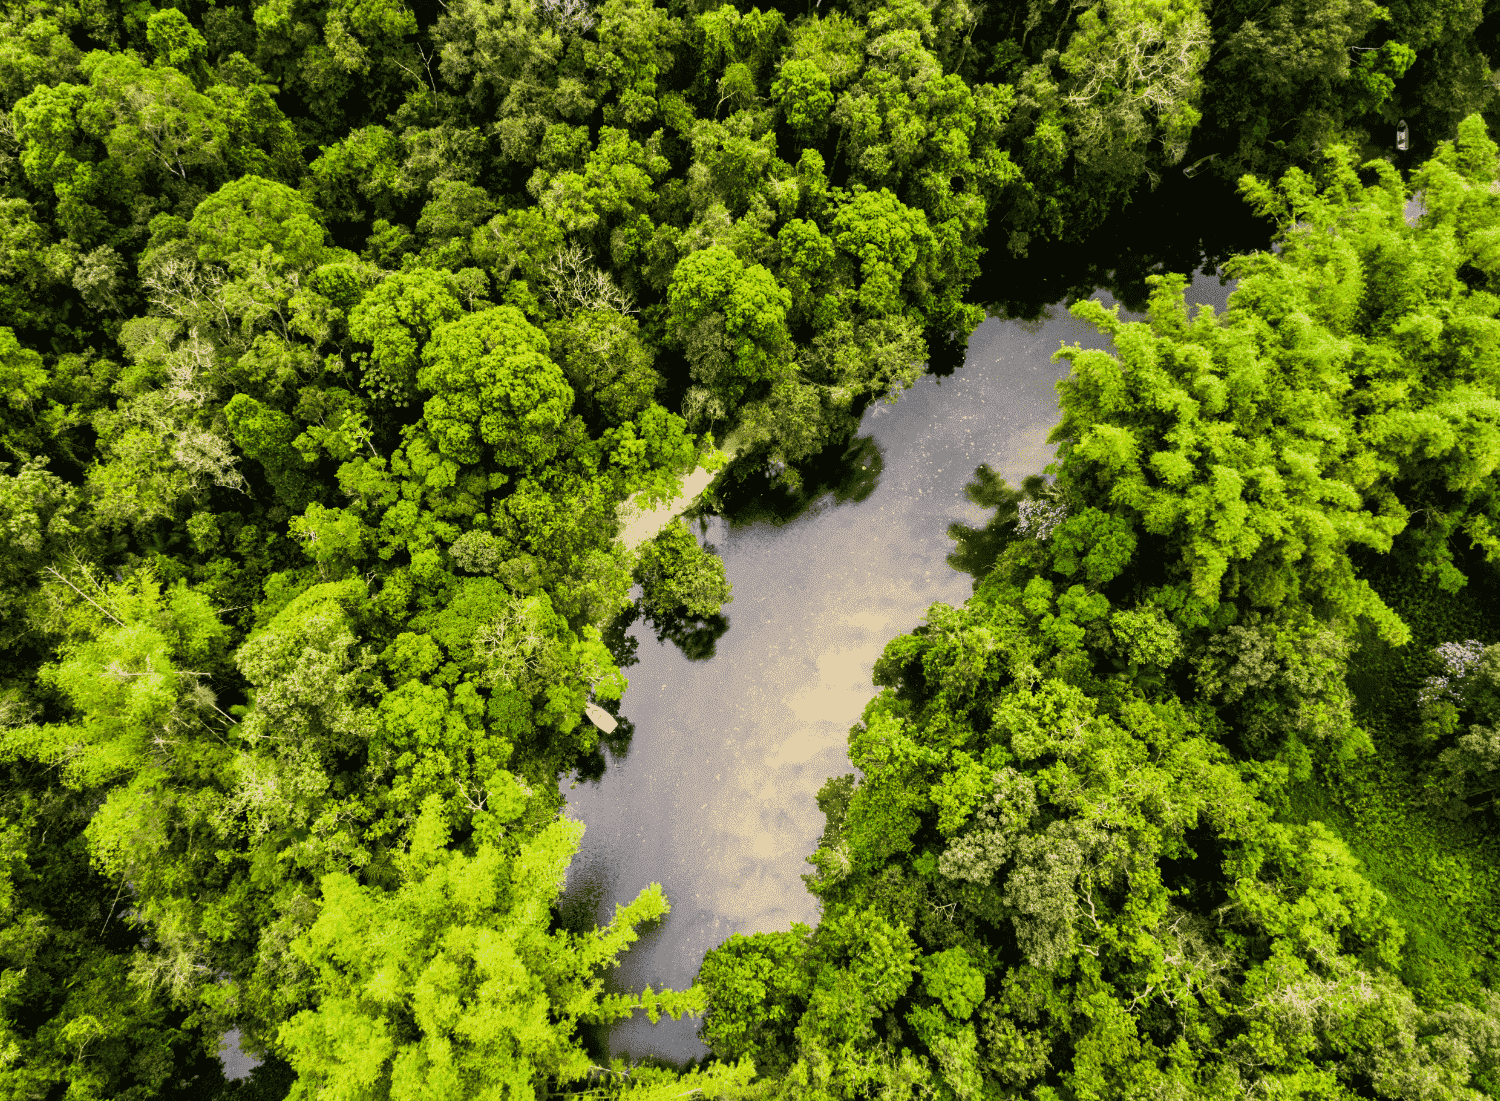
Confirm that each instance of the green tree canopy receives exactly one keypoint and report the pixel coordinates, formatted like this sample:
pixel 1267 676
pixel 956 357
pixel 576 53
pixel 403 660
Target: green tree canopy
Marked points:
pixel 494 384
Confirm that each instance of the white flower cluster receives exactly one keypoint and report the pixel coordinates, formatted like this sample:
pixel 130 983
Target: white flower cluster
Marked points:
pixel 1038 519
pixel 1458 659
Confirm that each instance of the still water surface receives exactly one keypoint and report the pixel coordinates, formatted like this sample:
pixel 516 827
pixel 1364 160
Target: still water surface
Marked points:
pixel 715 797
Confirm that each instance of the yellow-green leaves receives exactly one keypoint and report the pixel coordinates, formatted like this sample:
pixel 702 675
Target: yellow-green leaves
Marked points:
pixel 308 671
pixel 129 675
pixel 1260 487
pixel 878 962
pixel 397 319
pixel 617 181
pixel 802 91
pixel 959 792
pixel 651 454
pixel 176 42
pixel 678 575
pixel 493 384
pixel 730 319
pixel 890 241
pixel 606 361
pixel 253 213
pixel 21 373
pixel 461 950
pixel 952 978
pixel 637 38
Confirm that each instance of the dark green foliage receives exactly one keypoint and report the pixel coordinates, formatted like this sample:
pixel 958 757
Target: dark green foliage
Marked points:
pixel 334 335
pixel 1121 802
pixel 678 575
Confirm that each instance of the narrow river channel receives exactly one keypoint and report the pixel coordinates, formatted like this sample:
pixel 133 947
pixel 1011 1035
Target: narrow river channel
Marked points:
pixel 714 798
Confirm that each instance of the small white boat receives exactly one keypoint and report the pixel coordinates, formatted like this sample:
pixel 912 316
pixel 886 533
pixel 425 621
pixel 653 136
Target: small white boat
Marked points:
pixel 600 717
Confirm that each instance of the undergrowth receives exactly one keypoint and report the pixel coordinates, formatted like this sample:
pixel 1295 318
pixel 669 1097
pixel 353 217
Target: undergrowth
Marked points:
pixel 1440 871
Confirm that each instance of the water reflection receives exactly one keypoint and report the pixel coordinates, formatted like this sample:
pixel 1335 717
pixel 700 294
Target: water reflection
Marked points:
pixel 715 799
pixel 1182 225
pixel 613 746
pixel 841 473
pixel 977 547
pixel 696 636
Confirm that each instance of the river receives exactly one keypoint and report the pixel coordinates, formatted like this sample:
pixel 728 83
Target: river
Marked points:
pixel 714 797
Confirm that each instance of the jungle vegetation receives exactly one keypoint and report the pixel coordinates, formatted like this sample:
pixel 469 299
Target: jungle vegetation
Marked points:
pixel 333 336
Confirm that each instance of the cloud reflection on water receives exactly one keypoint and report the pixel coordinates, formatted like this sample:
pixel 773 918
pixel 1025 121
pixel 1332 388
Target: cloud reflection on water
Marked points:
pixel 716 799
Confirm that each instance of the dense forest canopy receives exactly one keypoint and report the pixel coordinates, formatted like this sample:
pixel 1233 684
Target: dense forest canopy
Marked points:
pixel 334 336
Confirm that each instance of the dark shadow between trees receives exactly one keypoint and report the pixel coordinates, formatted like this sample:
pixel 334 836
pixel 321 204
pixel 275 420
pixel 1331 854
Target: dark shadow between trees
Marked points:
pixel 1185 225
pixel 841 473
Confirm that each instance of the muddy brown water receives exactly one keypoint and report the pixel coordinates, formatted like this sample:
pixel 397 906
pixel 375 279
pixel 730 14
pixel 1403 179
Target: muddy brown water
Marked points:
pixel 715 797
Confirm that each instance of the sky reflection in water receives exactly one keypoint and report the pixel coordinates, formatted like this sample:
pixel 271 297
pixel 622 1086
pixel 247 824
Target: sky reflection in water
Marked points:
pixel 715 796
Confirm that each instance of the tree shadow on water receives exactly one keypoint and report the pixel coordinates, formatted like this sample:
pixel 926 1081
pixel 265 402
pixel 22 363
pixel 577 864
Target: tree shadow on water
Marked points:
pixel 978 547
pixel 1184 225
pixel 843 472
pixel 579 910
pixel 591 766
pixel 696 636
pixel 624 649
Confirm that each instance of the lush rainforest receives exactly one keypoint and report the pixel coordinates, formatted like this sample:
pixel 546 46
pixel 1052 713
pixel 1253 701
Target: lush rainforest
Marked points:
pixel 335 335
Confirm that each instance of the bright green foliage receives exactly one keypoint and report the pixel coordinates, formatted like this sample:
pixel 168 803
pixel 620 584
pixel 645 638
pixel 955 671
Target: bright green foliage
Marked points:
pixel 887 239
pixel 1054 935
pixel 61 154
pixel 175 41
pixel 33 54
pixel 953 979
pixel 320 426
pixel 461 954
pixel 33 270
pixel 651 453
pixel 1145 636
pixel 493 384
pixel 269 435
pixel 1231 441
pixel 1281 676
pixel 157 121
pixel 254 213
pixel 334 538
pixel 757 987
pixel 128 676
pixel 135 132
pixel 606 362
pixel 679 575
pixel 731 321
pixel 358 174
pixel 39 518
pixel 520 244
pixel 613 187
pixel 1153 658
pixel 840 982
pixel 803 92
pixel 21 375
pixel 397 319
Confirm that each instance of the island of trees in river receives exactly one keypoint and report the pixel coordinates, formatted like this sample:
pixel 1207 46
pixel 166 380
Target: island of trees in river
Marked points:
pixel 333 335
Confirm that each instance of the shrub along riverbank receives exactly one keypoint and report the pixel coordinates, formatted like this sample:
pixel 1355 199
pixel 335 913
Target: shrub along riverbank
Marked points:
pixel 1121 829
pixel 334 335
